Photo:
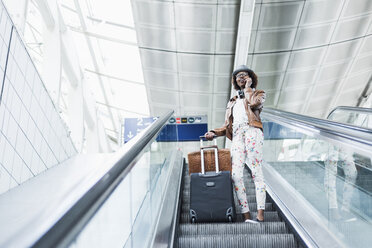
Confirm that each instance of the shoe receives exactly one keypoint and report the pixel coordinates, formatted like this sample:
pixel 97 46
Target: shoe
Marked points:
pixel 251 221
pixel 259 221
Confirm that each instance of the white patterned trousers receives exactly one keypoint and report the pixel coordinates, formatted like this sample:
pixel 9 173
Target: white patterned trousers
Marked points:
pixel 246 148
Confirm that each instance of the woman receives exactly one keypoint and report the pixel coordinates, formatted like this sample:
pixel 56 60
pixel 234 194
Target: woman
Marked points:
pixel 244 127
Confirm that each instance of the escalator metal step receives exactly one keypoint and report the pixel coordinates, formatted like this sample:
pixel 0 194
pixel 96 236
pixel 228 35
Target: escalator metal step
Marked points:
pixel 186 198
pixel 246 180
pixel 241 241
pixel 249 191
pixel 269 217
pixel 248 186
pixel 252 207
pixel 232 228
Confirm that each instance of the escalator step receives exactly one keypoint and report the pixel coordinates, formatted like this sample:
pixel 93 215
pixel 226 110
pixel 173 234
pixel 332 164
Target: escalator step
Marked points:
pixel 232 228
pixel 252 207
pixel 249 191
pixel 269 217
pixel 241 240
pixel 249 186
pixel 246 180
pixel 186 199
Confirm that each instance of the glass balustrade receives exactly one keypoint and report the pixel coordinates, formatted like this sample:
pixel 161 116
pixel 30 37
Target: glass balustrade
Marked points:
pixel 127 217
pixel 335 179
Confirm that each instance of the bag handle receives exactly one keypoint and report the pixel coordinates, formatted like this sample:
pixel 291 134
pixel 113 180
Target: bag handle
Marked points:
pixel 203 137
pixel 202 148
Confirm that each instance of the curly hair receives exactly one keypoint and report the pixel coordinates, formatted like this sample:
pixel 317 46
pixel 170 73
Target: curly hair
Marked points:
pixel 251 74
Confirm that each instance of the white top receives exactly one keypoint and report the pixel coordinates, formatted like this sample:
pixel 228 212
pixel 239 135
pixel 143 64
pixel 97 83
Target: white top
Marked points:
pixel 239 113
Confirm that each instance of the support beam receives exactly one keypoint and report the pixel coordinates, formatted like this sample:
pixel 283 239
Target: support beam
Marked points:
pixel 243 39
pixel 52 48
pixel 244 32
pixel 76 114
pixel 47 11
pixel 97 66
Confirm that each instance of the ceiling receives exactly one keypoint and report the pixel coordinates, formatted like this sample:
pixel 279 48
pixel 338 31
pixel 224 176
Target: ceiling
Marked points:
pixel 187 52
pixel 310 56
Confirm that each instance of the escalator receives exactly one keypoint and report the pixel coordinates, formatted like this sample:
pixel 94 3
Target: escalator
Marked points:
pixel 304 173
pixel 274 232
pixel 139 196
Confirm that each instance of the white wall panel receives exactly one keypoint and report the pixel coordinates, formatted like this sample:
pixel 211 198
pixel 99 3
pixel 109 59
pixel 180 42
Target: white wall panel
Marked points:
pixel 362 64
pixel 25 107
pixel 220 101
pixel 225 42
pixel 228 17
pixel 154 13
pixel 280 15
pixel 195 41
pixel 367 45
pixel 270 62
pixel 164 61
pixel 313 36
pixel 196 100
pixel 326 89
pixel 196 83
pixel 192 63
pixel 357 7
pixel 164 97
pixel 321 11
pixel 221 84
pixel 306 58
pixel 334 71
pixel 351 28
pixel 293 95
pixel 268 41
pixel 195 16
pixel 270 81
pixel 160 79
pixel 318 104
pixel 160 38
pixel 223 64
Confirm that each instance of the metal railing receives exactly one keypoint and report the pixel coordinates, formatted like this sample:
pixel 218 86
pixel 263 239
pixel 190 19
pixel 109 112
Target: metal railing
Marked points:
pixel 353 109
pixel 358 137
pixel 66 228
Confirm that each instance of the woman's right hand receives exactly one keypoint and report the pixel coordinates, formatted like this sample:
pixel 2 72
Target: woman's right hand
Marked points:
pixel 209 135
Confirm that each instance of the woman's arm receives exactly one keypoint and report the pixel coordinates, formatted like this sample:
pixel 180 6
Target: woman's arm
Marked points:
pixel 255 98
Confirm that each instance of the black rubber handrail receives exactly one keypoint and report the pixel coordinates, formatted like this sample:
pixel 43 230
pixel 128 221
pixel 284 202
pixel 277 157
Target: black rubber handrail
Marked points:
pixel 73 221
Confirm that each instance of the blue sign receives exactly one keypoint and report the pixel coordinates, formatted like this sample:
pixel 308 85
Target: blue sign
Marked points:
pixel 133 126
pixel 276 131
pixel 177 129
pixel 191 132
pixel 182 132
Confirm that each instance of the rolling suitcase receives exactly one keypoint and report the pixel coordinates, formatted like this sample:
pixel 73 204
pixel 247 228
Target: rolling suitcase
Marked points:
pixel 211 193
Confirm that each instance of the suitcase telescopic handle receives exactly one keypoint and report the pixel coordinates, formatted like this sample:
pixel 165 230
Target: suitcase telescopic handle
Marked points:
pixel 202 148
pixel 203 137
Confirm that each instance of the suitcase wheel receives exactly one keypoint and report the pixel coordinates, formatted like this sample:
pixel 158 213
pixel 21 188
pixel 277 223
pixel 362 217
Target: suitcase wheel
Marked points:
pixel 192 216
